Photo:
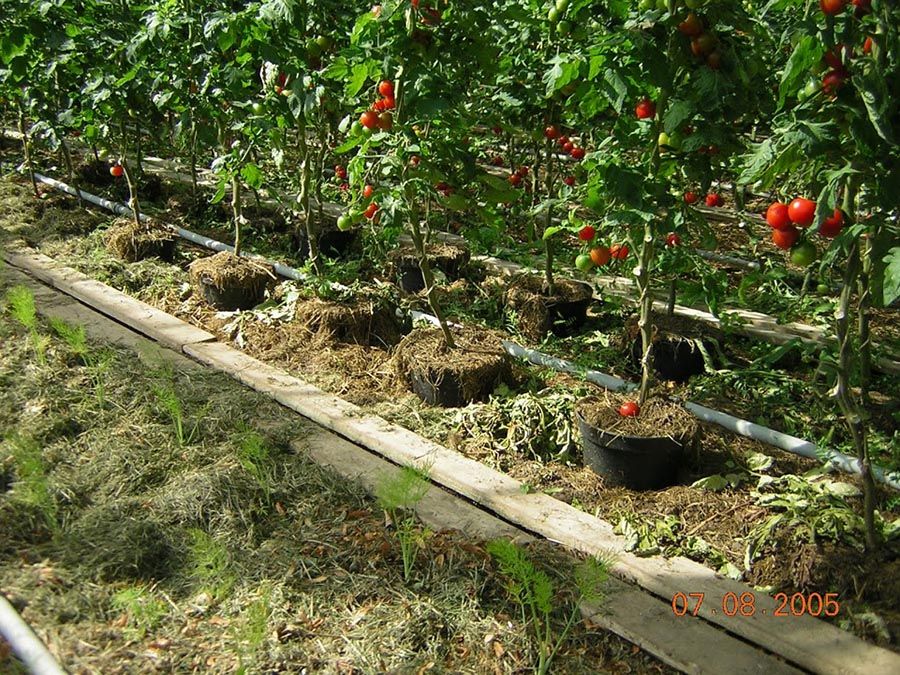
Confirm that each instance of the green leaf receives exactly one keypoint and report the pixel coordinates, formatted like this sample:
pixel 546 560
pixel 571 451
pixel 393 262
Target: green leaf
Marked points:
pixel 357 79
pixel 712 483
pixel 892 276
pixel 553 229
pixel 562 72
pixel 874 92
pixel 676 114
pixel 252 175
pixel 807 53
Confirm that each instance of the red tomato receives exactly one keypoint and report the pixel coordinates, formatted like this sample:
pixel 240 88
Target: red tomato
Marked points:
pixel 551 132
pixel 569 180
pixel 777 216
pixel 691 197
pixel 414 160
pixel 415 4
pixel 833 81
pixel 714 60
pixel 378 106
pixel 867 45
pixel 368 191
pixel 832 226
pixel 343 187
pixel 497 129
pixel 672 240
pixel 568 147
pixel 629 409
pixel 497 160
pixel 562 140
pixel 587 233
pixel 386 88
pixel 522 171
pixel 618 251
pixel 862 7
pixel 388 103
pixel 369 119
pixel 514 179
pixel 116 171
pixel 371 210
pixel 692 26
pixel 784 239
pixel 832 7
pixel 802 211
pixel 714 199
pixel 834 58
pixel 578 153
pixel 703 44
pixel 386 121
pixel 645 109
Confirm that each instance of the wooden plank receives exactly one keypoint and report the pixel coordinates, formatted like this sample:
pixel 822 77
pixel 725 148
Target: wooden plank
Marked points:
pixel 154 323
pixel 806 641
pixel 687 643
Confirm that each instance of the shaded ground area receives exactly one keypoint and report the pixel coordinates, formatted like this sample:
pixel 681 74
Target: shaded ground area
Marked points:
pixel 156 520
pixel 753 516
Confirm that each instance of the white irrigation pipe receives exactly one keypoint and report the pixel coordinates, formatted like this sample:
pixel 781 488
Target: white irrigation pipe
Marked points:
pixel 743 427
pixel 27 646
pixel 193 237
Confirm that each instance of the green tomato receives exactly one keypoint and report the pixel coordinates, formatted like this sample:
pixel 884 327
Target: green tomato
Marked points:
pixel 324 42
pixel 812 86
pixel 584 263
pixel 553 15
pixel 669 141
pixel 562 5
pixel 344 222
pixel 823 289
pixel 662 5
pixel 645 5
pixel 257 108
pixel 563 28
pixel 804 254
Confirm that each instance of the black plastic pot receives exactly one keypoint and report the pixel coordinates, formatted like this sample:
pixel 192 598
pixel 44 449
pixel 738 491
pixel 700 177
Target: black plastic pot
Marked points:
pixel 164 249
pixel 446 393
pixel 635 462
pixel 233 298
pixel 675 359
pixel 409 276
pixel 566 318
pixel 332 243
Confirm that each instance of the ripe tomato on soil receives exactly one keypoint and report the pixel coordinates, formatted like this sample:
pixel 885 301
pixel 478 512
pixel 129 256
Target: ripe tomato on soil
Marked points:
pixel 629 409
pixel 777 216
pixel 587 233
pixel 784 239
pixel 802 211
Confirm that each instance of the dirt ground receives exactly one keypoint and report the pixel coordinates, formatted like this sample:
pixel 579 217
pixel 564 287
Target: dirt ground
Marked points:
pixel 132 548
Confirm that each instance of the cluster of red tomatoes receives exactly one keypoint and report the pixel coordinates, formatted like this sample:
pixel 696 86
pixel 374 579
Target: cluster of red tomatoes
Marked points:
pixel 704 44
pixel 566 144
pixel 379 115
pixel 516 177
pixel 598 256
pixel 836 59
pixel 713 199
pixel 786 219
